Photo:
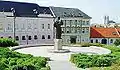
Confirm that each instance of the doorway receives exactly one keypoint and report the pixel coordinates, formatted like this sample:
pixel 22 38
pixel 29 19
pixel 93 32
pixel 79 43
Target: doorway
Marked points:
pixel 73 39
pixel 104 41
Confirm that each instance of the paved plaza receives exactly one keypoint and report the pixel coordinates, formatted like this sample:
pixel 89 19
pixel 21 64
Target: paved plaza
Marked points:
pixel 60 61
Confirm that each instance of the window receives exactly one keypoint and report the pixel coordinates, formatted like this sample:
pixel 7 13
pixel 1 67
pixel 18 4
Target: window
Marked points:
pixel 48 26
pixel 83 22
pixel 9 27
pixel 23 26
pixel 23 38
pixel 96 41
pixel 87 22
pixel 80 22
pixel 91 41
pixel 111 41
pixel 43 37
pixel 83 30
pixel 29 26
pixel 42 26
pixel 68 32
pixel 9 37
pixel 62 31
pixel 17 38
pixel 75 22
pixel 49 37
pixel 35 37
pixel 29 37
pixel 87 30
pixel 35 26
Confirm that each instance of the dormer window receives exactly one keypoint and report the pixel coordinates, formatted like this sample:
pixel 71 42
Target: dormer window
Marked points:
pixel 114 33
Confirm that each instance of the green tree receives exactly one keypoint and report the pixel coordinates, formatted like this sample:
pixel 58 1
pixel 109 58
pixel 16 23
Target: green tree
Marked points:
pixel 117 42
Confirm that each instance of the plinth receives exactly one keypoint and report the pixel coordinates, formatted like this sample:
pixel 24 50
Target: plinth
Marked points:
pixel 58 47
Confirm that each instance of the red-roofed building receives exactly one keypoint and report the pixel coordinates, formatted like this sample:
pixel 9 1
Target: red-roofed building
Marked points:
pixel 104 35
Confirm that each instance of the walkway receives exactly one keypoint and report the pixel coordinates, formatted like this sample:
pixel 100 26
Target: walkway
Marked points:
pixel 62 65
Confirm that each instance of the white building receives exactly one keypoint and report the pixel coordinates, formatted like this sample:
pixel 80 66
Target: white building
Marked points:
pixel 34 25
pixel 30 28
pixel 104 35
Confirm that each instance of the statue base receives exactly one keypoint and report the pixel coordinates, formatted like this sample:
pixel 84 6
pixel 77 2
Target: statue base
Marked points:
pixel 58 47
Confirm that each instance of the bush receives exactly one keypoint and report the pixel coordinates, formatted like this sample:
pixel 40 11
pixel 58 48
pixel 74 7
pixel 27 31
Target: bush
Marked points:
pixel 97 44
pixel 117 42
pixel 5 42
pixel 86 61
pixel 11 60
pixel 85 44
pixel 116 66
pixel 91 44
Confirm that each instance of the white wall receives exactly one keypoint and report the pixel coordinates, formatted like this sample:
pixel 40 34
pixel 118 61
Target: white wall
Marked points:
pixel 27 26
pixel 100 40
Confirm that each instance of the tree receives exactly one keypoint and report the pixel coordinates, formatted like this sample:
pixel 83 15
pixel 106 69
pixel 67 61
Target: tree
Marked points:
pixel 117 42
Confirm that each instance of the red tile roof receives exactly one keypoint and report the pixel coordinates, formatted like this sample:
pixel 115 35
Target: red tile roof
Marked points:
pixel 104 32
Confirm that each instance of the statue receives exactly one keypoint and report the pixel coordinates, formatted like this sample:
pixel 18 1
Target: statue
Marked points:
pixel 58 40
pixel 58 24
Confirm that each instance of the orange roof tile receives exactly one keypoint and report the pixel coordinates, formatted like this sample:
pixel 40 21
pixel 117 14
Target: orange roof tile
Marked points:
pixel 104 32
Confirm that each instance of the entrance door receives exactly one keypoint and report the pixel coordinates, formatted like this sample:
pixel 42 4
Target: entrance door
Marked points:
pixel 104 41
pixel 73 39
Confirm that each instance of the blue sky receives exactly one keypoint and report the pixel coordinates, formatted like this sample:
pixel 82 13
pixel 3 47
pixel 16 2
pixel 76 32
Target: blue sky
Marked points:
pixel 97 9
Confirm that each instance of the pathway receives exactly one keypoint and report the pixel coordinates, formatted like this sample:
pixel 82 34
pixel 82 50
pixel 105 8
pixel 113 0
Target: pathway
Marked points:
pixel 62 65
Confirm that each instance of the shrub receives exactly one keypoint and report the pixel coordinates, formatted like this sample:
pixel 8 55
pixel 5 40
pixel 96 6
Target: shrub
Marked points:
pixel 5 42
pixel 92 44
pixel 11 60
pixel 85 44
pixel 97 44
pixel 86 61
pixel 117 42
pixel 116 66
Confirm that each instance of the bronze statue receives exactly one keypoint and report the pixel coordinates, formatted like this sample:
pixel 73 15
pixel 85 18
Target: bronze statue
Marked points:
pixel 58 24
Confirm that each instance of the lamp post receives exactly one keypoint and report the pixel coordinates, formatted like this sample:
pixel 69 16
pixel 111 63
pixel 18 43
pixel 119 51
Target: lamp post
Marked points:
pixel 13 11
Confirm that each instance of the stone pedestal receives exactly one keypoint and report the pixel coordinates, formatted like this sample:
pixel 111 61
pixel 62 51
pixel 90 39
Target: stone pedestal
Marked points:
pixel 57 44
pixel 58 47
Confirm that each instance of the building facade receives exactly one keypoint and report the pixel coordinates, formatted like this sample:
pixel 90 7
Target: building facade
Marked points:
pixel 104 35
pixel 76 24
pixel 34 25
pixel 31 27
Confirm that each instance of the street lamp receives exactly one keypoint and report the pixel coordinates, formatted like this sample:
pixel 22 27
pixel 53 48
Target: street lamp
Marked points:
pixel 14 14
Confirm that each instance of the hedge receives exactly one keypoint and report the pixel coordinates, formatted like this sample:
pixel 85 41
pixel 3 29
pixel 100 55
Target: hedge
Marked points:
pixel 11 60
pixel 86 61
pixel 5 42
